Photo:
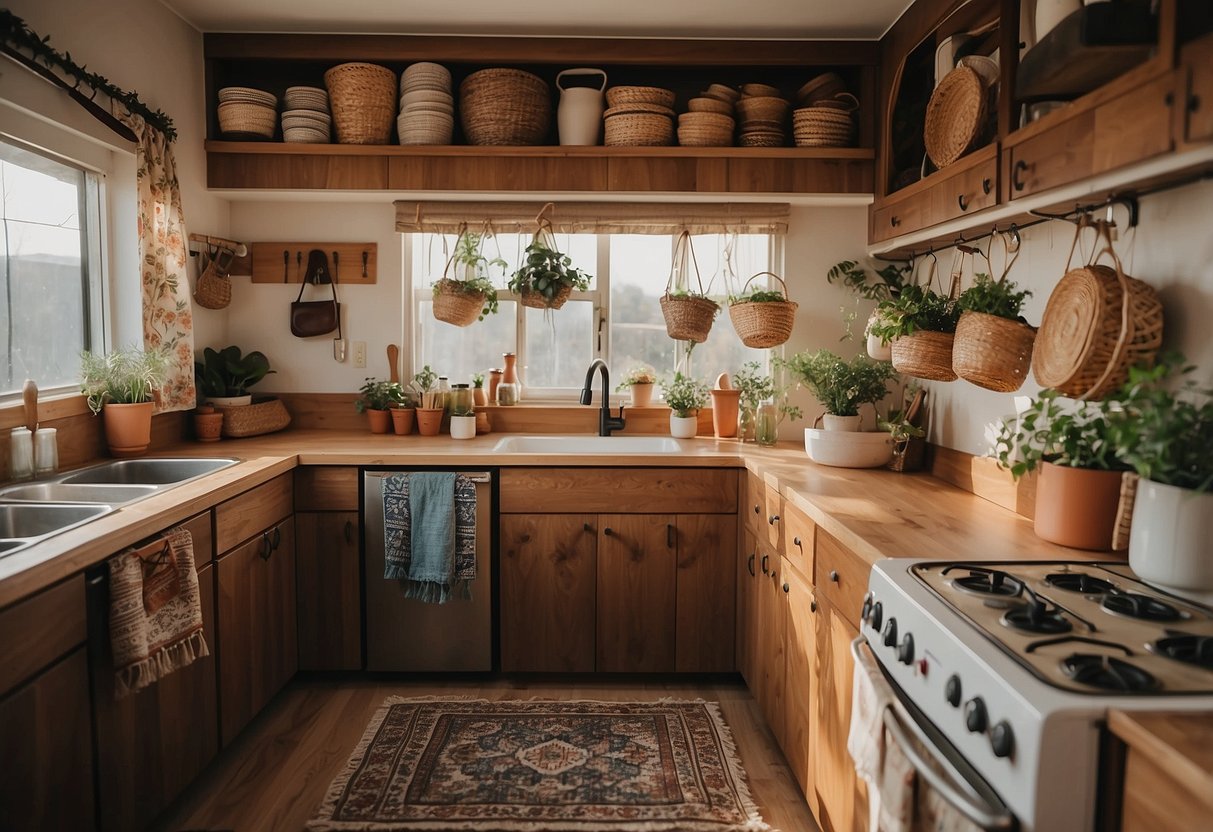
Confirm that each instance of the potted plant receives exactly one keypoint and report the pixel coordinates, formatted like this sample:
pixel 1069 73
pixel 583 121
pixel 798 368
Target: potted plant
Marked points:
pixel 888 283
pixel 378 398
pixel 993 347
pixel 688 313
pixel 224 376
pixel 1071 445
pixel 1166 436
pixel 404 412
pixel 754 389
pixel 122 387
pixel 469 295
pixel 842 386
pixel 920 325
pixel 208 423
pixel 639 382
pixel 546 277
pixel 430 406
pixel 479 399
pixel 685 396
pixel 463 413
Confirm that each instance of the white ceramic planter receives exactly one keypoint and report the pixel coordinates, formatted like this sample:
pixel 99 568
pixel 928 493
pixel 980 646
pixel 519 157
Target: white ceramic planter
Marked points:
pixel 463 427
pixel 1170 538
pixel 683 427
pixel 848 424
pixel 229 401
pixel 876 349
pixel 846 449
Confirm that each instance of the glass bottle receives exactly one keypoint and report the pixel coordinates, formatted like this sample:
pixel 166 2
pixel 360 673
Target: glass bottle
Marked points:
pixel 462 402
pixel 766 429
pixel 509 390
pixel 444 394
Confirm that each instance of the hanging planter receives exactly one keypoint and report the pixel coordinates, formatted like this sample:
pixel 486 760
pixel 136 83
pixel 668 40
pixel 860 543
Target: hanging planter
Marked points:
pixel 463 300
pixel 688 314
pixel 763 318
pixel 920 325
pixel 546 278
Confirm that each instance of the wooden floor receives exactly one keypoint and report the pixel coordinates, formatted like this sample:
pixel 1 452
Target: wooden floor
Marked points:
pixel 275 774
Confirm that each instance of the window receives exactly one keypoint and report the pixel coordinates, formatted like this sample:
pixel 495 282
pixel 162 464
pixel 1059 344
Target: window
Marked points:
pixel 50 298
pixel 618 319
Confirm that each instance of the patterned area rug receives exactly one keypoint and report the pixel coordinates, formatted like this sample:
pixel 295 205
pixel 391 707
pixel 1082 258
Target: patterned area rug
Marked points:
pixel 456 764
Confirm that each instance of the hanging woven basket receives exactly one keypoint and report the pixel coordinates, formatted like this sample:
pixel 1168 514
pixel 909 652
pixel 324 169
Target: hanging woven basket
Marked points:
pixel 925 355
pixel 764 324
pixel 536 300
pixel 992 352
pixel 688 317
pixel 453 305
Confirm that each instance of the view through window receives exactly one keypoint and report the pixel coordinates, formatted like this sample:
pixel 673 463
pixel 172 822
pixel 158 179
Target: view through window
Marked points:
pixel 618 319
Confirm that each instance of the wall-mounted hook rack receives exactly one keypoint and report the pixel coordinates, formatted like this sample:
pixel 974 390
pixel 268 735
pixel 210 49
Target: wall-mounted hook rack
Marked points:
pixel 270 262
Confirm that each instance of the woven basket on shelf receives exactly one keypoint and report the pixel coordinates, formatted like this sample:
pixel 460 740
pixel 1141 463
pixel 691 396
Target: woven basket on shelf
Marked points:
pixel 504 107
pixel 535 299
pixel 616 96
pixel 956 114
pixel 924 354
pixel 992 352
pixel 265 416
pixel 362 98
pixel 761 325
pixel 452 305
pixel 638 130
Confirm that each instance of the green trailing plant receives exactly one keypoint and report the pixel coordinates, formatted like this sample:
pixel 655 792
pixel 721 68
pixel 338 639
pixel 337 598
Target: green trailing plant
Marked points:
pixel 227 372
pixel 546 270
pixel 914 309
pixel 379 395
pixel 889 282
pixel 684 395
pixel 1165 435
pixel 1001 298
pixel 758 296
pixel 842 386
pixel 1071 434
pixel 637 375
pixel 755 387
pixel 897 423
pixel 474 268
pixel 125 376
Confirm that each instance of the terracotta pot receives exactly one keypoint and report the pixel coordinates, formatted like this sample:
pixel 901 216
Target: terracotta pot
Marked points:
pixel 1076 507
pixel 483 425
pixel 642 395
pixel 208 426
pixel 478 397
pixel 402 420
pixel 128 428
pixel 494 380
pixel 381 420
pixel 725 407
pixel 429 420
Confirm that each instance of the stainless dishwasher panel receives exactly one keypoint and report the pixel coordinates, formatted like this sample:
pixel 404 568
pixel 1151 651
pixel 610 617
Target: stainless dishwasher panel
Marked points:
pixel 403 634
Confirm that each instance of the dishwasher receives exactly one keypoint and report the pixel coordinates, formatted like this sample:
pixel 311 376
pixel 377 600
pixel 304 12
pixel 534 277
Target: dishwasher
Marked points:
pixel 404 634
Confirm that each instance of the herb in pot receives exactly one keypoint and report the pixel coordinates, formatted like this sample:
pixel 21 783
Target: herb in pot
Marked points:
pixel 124 376
pixel 637 375
pixel 684 395
pixel 1078 436
pixel 914 309
pixel 547 272
pixel 842 386
pixel 993 297
pixel 379 395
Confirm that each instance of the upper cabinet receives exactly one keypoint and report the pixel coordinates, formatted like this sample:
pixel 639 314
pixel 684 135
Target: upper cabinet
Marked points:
pixel 1104 100
pixel 275 62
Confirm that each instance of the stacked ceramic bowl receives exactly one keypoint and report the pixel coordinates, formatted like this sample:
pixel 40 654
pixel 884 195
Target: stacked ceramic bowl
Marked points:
pixel 639 117
pixel 708 122
pixel 826 117
pixel 764 115
pixel 427 107
pixel 246 113
pixel 305 116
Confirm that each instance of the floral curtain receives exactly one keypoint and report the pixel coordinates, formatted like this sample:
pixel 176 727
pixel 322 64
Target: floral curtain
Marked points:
pixel 167 317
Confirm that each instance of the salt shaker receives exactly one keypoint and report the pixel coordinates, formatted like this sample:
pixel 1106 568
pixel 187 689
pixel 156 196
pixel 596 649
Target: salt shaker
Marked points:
pixel 21 458
pixel 46 451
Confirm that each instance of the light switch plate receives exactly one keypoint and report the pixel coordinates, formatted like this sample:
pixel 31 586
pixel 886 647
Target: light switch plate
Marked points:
pixel 360 353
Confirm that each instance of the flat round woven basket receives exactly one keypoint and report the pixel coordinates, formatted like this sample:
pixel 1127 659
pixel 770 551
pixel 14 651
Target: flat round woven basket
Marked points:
pixel 362 98
pixel 263 416
pixel 1086 328
pixel 688 318
pixel 955 116
pixel 992 352
pixel 452 305
pixel 617 96
pixel 536 300
pixel 925 355
pixel 504 107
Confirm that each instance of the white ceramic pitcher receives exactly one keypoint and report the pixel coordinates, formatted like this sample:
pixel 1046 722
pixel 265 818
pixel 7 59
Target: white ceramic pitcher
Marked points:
pixel 579 116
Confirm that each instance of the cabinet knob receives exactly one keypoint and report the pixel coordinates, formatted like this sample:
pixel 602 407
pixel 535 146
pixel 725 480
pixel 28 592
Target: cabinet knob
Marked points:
pixel 834 575
pixel 962 202
pixel 277 537
pixel 986 186
pixel 1017 182
pixel 1193 103
pixel 1168 99
pixel 749 565
pixel 786 588
pixel 587 527
pixel 757 508
pixel 525 538
pixel 894 220
pixel 608 531
pixel 796 541
pixel 669 535
pixel 813 605
pixel 773 519
pixel 766 570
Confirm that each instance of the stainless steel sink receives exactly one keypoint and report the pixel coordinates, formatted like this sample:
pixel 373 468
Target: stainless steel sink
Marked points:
pixel 19 521
pixel 147 471
pixel 63 492
pixel 589 445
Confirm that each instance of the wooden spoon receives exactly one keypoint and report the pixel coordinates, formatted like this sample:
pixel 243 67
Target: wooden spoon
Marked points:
pixel 393 362
pixel 29 396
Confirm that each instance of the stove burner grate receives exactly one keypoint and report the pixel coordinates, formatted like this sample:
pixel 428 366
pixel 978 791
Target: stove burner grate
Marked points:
pixel 1193 650
pixel 1107 673
pixel 1080 582
pixel 1037 617
pixel 989 582
pixel 1134 605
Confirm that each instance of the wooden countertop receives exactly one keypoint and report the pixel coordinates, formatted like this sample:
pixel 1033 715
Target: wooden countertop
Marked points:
pixel 1179 743
pixel 876 513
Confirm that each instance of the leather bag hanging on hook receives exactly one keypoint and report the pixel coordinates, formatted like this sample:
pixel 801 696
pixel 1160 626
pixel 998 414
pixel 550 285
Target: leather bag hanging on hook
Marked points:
pixel 310 318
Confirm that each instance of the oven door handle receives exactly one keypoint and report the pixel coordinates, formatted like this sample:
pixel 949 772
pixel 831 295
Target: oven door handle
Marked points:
pixel 963 798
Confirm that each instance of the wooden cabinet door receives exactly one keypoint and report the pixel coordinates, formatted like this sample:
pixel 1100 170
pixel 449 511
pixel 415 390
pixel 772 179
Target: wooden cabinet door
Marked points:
pixel 706 593
pixel 1198 61
pixel 1135 126
pixel 153 743
pixel 798 672
pixel 548 564
pixel 636 593
pixel 328 590
pixel 747 607
pixel 841 796
pixel 45 734
pixel 771 643
pixel 257 625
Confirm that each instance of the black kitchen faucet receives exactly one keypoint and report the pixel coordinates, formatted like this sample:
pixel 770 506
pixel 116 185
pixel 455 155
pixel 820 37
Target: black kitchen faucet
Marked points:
pixel 606 422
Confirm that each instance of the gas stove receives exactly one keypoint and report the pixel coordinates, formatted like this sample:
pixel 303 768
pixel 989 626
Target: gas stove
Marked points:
pixel 1015 666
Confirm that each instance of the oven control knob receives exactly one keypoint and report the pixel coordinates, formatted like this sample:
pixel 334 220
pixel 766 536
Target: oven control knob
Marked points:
pixel 951 690
pixel 905 650
pixel 876 616
pixel 975 715
pixel 1002 739
pixel 890 632
pixel 866 611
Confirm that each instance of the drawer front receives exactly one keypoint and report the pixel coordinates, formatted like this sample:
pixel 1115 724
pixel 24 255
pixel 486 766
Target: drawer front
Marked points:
pixel 842 576
pixel 800 535
pixel 203 536
pixel 40 629
pixel 755 502
pixel 968 191
pixel 253 512
pixel 1056 157
pixel 619 490
pixel 1135 126
pixel 903 217
pixel 772 519
pixel 326 488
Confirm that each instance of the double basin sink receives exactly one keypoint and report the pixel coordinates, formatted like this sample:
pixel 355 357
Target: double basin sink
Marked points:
pixel 31 512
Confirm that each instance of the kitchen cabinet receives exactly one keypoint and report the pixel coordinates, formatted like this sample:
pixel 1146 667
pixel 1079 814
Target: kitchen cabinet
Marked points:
pixel 1197 59
pixel 637 576
pixel 328 590
pixel 705 549
pixel 770 642
pixel 842 577
pixel 799 658
pixel 841 797
pixel 45 728
pixel 153 743
pixel 746 641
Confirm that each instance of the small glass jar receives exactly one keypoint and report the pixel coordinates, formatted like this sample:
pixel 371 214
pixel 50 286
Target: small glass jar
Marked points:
pixel 21 454
pixel 444 390
pixel 766 428
pixel 46 451
pixel 461 402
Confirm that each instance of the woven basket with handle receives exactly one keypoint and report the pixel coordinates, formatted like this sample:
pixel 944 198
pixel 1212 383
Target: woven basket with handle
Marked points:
pixel 535 299
pixel 453 304
pixel 761 325
pixel 925 355
pixel 687 317
pixel 363 101
pixel 993 352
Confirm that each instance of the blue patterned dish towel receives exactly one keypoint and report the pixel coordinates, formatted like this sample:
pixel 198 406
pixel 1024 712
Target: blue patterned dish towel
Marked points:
pixel 429 534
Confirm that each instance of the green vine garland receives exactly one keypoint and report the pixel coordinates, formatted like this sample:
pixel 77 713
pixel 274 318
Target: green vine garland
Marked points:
pixel 16 34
